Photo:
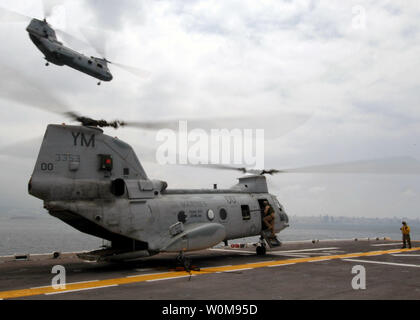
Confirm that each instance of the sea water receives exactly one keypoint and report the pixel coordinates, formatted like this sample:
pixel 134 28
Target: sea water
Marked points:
pixel 48 234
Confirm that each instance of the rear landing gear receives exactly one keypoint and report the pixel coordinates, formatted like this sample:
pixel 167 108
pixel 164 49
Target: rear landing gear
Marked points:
pixel 99 83
pixel 261 248
pixel 47 64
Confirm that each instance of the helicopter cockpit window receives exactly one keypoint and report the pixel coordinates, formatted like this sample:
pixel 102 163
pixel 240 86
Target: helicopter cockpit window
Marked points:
pixel 278 203
pixel 90 61
pixel 246 213
pixel 283 215
pixel 100 66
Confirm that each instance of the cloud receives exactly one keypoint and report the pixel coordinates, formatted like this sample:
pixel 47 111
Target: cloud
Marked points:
pixel 224 58
pixel 113 15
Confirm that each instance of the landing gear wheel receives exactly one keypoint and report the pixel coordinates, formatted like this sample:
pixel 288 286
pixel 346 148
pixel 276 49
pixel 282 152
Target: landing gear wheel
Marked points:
pixel 99 83
pixel 261 250
pixel 47 64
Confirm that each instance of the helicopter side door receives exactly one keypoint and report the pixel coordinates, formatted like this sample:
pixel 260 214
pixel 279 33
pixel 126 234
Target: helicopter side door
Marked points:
pixel 249 218
pixel 261 205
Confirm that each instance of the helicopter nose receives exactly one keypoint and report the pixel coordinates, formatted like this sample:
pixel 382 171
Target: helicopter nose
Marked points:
pixel 284 217
pixel 109 76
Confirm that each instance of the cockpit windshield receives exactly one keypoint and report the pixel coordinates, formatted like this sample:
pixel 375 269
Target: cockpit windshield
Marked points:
pixel 276 201
pixel 283 215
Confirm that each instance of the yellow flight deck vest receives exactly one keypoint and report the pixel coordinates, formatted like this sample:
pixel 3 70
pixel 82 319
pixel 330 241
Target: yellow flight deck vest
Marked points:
pixel 405 230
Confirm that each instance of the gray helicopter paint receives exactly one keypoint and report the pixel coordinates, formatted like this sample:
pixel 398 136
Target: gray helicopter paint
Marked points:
pixel 75 188
pixel 44 37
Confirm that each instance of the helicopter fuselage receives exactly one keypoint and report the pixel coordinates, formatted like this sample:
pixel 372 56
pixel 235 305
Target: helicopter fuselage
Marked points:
pixel 45 39
pixel 96 184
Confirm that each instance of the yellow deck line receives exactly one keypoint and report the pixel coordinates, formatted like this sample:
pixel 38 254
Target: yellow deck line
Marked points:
pixel 171 275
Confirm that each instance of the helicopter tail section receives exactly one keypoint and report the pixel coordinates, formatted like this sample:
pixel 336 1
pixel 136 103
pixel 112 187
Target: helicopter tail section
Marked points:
pixel 77 162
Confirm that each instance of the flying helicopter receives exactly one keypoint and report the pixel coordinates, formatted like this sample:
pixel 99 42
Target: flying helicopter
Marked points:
pixel 44 37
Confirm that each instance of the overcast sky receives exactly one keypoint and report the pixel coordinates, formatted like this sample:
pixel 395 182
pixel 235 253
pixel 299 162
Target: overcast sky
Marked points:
pixel 350 67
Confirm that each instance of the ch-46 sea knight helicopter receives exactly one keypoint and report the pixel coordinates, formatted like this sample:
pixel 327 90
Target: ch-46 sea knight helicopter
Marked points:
pixel 44 36
pixel 96 184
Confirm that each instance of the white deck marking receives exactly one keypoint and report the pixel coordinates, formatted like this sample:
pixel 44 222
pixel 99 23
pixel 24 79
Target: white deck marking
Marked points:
pixel 66 284
pixel 84 289
pixel 40 287
pixel 285 253
pixel 281 265
pixel 81 282
pixel 238 270
pixel 145 274
pixel 234 250
pixel 304 250
pixel 293 255
pixel 320 260
pixel 382 262
pixel 260 261
pixel 405 255
pixel 228 265
pixel 386 244
pixel 161 279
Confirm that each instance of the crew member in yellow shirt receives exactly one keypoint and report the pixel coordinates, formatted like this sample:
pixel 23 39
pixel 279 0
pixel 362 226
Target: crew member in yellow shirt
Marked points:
pixel 406 235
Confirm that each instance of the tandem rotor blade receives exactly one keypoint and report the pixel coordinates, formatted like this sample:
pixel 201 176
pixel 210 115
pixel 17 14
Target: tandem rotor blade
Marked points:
pixel 391 166
pixel 265 126
pixel 395 165
pixel 49 5
pixel 133 70
pixel 27 149
pixel 71 40
pixel 98 41
pixel 8 16
pixel 17 87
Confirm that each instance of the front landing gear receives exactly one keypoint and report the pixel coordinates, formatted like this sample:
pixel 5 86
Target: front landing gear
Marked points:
pixel 99 83
pixel 184 261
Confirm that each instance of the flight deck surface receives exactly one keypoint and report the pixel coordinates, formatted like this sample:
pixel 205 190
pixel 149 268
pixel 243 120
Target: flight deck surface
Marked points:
pixel 296 270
